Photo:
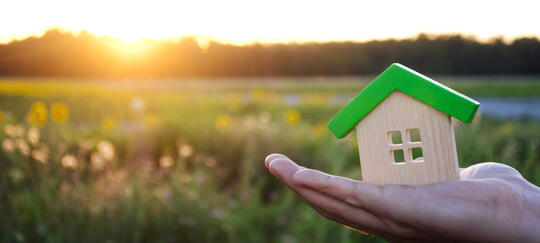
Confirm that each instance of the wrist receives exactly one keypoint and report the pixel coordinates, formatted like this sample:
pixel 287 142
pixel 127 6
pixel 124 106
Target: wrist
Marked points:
pixel 530 216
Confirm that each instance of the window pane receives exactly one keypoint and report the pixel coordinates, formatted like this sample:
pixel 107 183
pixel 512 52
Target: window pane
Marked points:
pixel 395 137
pixel 417 154
pixel 399 156
pixel 414 135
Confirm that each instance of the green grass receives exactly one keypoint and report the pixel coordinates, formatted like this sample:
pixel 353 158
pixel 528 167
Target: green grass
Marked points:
pixel 221 190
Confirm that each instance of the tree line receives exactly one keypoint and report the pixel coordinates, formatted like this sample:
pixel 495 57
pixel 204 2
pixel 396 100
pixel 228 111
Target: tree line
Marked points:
pixel 58 54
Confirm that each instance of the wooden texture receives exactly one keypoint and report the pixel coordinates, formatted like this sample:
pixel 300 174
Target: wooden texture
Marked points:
pixel 408 81
pixel 400 112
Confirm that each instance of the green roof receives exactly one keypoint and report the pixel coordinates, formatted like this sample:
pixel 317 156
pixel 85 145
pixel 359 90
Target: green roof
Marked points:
pixel 408 81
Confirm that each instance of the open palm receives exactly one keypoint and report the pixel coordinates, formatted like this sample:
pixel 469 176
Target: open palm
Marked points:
pixel 492 202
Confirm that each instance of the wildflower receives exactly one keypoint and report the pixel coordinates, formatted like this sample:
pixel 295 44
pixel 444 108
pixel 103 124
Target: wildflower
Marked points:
pixel 106 149
pixel 14 130
pixel 8 145
pixel 8 129
pixel 37 115
pixel 59 112
pixel 18 131
pixel 109 122
pixel 185 150
pixel 33 135
pixel 137 104
pixel 41 154
pixel 23 147
pixel 69 161
pixel 319 129
pixel 97 162
pixel 166 161
pixel 223 122
pixel 292 117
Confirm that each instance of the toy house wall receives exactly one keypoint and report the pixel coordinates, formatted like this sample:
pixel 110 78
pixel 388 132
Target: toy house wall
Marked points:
pixel 399 112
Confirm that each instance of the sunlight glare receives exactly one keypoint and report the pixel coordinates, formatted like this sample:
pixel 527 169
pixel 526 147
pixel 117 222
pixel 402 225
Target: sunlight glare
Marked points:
pixel 132 48
pixel 243 21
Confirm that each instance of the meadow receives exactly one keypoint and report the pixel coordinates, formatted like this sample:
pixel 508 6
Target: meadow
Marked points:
pixel 169 160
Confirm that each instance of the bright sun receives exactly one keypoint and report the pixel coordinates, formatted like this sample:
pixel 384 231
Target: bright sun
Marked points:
pixel 132 48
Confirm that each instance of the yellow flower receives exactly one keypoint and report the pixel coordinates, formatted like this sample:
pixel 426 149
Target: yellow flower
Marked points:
pixel 223 122
pixel 292 117
pixel 319 129
pixel 1 116
pixel 38 114
pixel 59 112
pixel 109 122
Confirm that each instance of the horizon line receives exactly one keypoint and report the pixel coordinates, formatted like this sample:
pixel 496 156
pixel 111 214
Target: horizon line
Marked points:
pixel 204 40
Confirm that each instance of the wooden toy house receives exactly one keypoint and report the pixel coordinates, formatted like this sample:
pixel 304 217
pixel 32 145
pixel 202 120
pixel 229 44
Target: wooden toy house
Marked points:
pixel 404 128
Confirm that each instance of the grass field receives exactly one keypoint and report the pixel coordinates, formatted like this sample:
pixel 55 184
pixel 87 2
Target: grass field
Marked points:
pixel 183 161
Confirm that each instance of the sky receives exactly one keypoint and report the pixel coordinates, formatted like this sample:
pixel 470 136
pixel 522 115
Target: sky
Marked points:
pixel 247 21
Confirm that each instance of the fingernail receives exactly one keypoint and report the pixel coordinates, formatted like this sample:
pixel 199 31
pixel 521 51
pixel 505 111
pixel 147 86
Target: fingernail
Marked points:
pixel 271 165
pixel 278 165
pixel 272 157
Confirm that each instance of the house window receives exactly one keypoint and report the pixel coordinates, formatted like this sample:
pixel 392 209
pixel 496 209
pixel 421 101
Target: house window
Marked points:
pixel 405 146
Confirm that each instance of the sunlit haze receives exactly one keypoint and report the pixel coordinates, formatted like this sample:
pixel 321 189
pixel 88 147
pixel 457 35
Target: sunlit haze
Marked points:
pixel 270 21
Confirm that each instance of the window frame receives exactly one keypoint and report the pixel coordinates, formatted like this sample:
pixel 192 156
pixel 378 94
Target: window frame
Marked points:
pixel 406 145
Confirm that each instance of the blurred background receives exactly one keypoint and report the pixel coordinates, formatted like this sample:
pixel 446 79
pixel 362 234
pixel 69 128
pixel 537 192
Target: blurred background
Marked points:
pixel 136 121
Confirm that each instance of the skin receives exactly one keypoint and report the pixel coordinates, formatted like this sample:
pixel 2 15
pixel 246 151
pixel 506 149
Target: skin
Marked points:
pixel 491 202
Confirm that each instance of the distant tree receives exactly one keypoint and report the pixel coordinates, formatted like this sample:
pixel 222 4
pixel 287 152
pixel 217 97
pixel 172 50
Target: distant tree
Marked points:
pixel 86 55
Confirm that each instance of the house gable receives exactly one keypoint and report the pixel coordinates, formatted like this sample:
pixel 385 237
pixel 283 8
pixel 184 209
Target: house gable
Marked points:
pixel 408 81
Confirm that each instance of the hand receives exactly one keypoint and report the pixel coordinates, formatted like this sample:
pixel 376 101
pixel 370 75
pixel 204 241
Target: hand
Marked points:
pixel 491 203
